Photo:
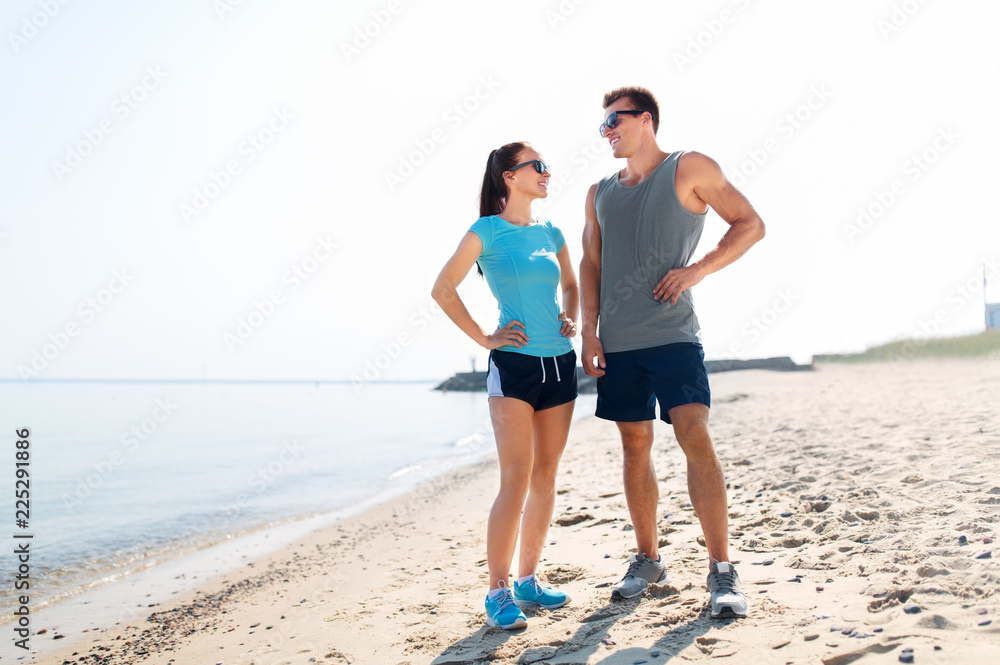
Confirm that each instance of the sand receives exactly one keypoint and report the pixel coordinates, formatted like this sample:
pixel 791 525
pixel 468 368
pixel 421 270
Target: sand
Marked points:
pixel 863 505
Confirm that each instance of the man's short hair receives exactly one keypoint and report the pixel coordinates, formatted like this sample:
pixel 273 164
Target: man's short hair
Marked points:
pixel 639 99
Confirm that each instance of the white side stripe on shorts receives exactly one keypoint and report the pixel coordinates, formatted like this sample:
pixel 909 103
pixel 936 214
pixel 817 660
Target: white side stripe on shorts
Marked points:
pixel 493 387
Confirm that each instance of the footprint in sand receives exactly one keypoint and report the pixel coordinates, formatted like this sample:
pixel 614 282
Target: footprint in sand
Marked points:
pixel 563 573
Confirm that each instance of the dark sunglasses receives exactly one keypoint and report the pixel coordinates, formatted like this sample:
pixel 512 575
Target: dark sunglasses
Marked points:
pixel 613 120
pixel 540 166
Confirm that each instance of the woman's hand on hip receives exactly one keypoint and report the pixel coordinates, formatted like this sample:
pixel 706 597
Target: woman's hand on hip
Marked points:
pixel 568 328
pixel 511 334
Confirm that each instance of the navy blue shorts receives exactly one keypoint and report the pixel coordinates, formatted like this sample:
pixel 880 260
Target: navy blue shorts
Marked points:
pixel 541 382
pixel 673 374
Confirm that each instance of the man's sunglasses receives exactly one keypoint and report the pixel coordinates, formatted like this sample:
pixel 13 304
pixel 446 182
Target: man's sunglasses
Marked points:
pixel 613 120
pixel 540 166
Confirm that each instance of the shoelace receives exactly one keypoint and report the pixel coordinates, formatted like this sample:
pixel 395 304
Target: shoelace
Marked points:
pixel 726 582
pixel 537 586
pixel 504 599
pixel 633 568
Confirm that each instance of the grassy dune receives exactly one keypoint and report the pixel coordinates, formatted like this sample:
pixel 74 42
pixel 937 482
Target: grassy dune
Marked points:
pixel 980 345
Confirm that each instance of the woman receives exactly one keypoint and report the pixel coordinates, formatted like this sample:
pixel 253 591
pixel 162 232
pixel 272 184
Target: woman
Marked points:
pixel 531 383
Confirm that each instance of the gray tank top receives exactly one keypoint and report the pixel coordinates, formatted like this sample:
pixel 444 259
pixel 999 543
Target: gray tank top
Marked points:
pixel 645 232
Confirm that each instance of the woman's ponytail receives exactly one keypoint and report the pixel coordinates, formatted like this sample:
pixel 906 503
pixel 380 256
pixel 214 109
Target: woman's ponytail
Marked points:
pixel 493 195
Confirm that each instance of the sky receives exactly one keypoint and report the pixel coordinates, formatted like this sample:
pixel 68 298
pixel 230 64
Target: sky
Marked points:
pixel 231 189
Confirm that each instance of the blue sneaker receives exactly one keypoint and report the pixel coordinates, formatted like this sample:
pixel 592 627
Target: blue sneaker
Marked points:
pixel 501 611
pixel 532 593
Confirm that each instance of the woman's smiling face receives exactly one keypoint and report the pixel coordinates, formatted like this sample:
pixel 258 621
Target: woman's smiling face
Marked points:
pixel 526 180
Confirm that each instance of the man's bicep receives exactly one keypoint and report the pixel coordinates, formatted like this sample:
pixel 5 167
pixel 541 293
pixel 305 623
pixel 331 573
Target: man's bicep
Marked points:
pixel 730 204
pixel 715 189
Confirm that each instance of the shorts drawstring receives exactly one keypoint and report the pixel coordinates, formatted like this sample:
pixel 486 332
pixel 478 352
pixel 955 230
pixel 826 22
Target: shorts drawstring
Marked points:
pixel 555 364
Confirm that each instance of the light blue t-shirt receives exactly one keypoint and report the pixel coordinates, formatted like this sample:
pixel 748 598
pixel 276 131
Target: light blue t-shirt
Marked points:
pixel 521 268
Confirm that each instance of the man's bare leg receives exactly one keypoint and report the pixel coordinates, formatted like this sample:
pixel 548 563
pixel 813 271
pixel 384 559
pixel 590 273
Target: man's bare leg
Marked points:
pixel 706 482
pixel 641 490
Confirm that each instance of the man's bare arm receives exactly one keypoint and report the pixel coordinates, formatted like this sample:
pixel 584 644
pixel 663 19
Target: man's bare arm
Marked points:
pixel 590 289
pixel 711 187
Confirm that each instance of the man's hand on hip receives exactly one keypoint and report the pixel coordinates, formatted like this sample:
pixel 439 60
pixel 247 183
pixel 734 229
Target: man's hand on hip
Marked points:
pixel 676 281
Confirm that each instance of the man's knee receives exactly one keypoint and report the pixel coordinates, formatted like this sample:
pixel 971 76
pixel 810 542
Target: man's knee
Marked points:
pixel 639 455
pixel 636 435
pixel 690 423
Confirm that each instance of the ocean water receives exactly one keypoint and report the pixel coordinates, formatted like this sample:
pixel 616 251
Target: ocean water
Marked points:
pixel 125 475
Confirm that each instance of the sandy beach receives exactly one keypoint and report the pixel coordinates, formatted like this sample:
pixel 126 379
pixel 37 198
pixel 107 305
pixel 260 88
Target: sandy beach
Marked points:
pixel 864 504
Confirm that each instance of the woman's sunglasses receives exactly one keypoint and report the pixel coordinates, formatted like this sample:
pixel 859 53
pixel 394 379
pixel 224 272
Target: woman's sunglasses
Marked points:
pixel 540 166
pixel 613 120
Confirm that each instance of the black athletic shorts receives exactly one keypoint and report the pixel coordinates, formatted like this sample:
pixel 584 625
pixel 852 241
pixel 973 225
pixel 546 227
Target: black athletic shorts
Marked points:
pixel 673 374
pixel 541 382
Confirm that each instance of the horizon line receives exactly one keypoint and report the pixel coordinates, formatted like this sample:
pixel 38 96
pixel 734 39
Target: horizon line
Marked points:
pixel 152 380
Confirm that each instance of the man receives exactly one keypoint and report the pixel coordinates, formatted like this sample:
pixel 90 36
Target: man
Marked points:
pixel 642 226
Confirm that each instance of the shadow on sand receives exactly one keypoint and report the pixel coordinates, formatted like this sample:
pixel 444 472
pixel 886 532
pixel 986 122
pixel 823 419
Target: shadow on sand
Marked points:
pixel 480 647
pixel 489 645
pixel 592 638
pixel 674 638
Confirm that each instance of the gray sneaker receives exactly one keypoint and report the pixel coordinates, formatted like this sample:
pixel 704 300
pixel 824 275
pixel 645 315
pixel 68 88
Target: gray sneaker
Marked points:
pixel 642 571
pixel 728 601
